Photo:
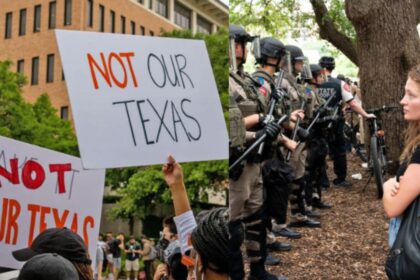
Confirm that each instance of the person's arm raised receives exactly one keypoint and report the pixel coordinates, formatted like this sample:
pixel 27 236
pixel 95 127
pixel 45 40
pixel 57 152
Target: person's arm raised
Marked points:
pixel 174 177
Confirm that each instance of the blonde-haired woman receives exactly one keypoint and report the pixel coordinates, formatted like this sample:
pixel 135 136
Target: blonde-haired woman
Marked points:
pixel 400 192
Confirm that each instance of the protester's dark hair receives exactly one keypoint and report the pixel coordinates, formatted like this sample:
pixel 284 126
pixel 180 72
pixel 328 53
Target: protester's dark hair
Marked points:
pixel 84 270
pixel 170 223
pixel 211 239
pixel 177 269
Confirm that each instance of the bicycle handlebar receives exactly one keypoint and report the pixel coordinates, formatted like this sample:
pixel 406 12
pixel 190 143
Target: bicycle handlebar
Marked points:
pixel 384 108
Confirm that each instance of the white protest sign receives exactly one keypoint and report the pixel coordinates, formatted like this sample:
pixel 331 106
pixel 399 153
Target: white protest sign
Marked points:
pixel 137 99
pixel 41 189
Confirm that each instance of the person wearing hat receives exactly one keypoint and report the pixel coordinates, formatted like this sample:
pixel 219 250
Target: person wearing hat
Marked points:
pixel 272 52
pixel 341 92
pixel 61 241
pixel 294 67
pixel 317 146
pixel 248 216
pixel 48 267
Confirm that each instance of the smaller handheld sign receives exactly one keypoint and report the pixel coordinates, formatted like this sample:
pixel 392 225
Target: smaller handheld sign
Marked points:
pixel 40 189
pixel 137 99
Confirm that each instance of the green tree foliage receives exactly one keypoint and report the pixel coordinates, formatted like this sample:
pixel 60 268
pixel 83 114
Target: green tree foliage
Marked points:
pixel 144 188
pixel 279 18
pixel 36 124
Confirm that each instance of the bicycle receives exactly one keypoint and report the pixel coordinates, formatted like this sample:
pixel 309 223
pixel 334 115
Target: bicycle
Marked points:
pixel 377 155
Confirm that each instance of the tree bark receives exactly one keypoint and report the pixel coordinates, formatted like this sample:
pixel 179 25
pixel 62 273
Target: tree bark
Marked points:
pixel 329 32
pixel 387 47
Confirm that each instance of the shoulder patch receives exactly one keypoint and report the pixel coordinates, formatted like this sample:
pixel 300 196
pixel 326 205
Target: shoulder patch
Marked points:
pixel 261 80
pixel 263 90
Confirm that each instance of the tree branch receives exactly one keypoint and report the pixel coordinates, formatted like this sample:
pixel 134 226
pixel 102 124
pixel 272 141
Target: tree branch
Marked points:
pixel 329 32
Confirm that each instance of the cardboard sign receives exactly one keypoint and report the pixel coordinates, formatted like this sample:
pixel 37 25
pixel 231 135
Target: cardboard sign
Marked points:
pixel 41 189
pixel 137 99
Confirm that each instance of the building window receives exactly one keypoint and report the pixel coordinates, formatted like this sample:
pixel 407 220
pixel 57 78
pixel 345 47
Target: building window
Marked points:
pixel 182 16
pixel 20 66
pixel 142 30
pixel 8 30
pixel 101 18
pixel 50 68
pixel 123 24
pixel 140 1
pixel 162 7
pixel 35 71
pixel 64 113
pixel 133 27
pixel 89 13
pixel 62 75
pixel 52 15
pixel 203 26
pixel 112 22
pixel 152 33
pixel 22 22
pixel 67 12
pixel 37 18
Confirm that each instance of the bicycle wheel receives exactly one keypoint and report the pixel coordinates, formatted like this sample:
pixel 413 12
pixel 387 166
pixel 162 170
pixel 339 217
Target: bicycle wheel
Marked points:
pixel 376 156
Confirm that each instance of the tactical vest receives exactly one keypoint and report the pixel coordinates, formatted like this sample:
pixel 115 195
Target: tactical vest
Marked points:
pixel 281 106
pixel 295 103
pixel 237 129
pixel 254 102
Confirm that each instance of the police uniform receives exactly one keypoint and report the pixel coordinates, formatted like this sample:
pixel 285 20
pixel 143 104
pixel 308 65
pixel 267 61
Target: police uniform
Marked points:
pixel 246 192
pixel 298 159
pixel 317 151
pixel 340 91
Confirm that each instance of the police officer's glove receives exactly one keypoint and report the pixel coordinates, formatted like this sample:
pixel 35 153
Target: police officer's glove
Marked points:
pixel 271 130
pixel 302 133
pixel 264 119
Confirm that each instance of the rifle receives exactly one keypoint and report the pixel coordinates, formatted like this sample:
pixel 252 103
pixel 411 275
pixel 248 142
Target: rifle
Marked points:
pixel 255 144
pixel 319 111
pixel 289 153
pixel 334 115
pixel 276 95
pixel 318 114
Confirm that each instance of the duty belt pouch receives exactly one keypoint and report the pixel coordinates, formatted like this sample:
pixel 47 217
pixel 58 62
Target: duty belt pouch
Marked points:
pixel 403 262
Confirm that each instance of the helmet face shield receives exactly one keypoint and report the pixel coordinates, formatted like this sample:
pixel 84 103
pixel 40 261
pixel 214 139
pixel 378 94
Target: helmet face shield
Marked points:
pixel 232 55
pixel 286 62
pixel 306 70
pixel 256 47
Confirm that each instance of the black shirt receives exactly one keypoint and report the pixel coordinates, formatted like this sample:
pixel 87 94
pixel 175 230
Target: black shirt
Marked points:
pixel 135 246
pixel 114 249
pixel 414 159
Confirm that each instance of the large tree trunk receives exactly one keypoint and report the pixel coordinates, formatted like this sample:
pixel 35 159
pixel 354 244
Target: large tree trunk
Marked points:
pixel 387 46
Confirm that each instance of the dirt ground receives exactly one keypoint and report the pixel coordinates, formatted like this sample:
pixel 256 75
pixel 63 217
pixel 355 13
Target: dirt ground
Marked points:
pixel 352 243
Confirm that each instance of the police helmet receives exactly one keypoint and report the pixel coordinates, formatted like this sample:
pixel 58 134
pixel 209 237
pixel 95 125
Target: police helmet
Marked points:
pixel 296 53
pixel 271 47
pixel 239 34
pixel 327 62
pixel 315 69
pixel 341 77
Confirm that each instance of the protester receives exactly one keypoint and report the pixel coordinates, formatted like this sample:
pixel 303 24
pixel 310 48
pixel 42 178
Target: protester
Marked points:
pixel 114 254
pixel 148 258
pixel 48 267
pixel 64 242
pixel 402 191
pixel 209 238
pixel 132 252
pixel 99 259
